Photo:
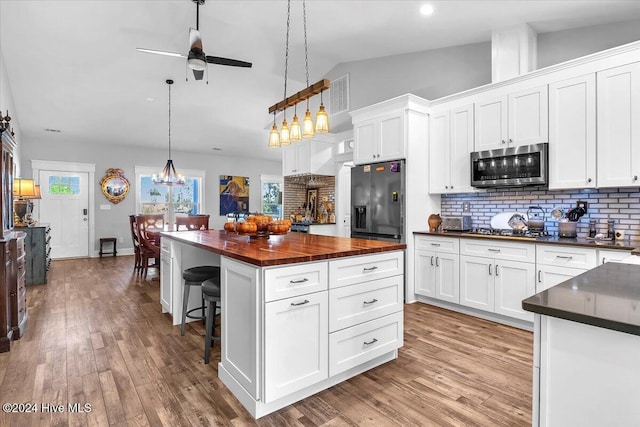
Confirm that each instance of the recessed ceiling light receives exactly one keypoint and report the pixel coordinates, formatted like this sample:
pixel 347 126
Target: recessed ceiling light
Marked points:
pixel 426 10
pixel 52 130
pixel 217 149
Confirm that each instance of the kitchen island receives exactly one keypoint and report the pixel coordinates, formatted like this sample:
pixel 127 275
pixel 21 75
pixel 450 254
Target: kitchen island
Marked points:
pixel 586 347
pixel 300 312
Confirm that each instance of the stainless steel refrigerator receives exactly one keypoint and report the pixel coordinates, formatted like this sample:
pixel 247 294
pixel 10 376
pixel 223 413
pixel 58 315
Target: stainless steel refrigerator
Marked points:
pixel 377 201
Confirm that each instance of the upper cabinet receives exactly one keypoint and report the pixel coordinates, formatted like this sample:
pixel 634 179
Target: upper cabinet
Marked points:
pixel 379 139
pixel 450 142
pixel 518 118
pixel 572 133
pixel 308 157
pixel 619 126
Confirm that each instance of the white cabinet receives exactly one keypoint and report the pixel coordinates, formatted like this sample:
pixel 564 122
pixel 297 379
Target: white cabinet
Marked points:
pixel 450 143
pixel 572 133
pixel 307 157
pixel 618 126
pixel 518 118
pixel 437 268
pixel 380 139
pixel 166 273
pixel 556 263
pixel 296 344
pixel 612 255
pixel 496 277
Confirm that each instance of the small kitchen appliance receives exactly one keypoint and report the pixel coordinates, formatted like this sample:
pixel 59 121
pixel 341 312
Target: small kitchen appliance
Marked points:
pixel 456 223
pixel 536 217
pixel 510 167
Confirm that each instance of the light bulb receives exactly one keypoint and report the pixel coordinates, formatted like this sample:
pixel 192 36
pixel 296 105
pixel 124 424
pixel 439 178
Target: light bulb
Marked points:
pixel 322 120
pixel 284 133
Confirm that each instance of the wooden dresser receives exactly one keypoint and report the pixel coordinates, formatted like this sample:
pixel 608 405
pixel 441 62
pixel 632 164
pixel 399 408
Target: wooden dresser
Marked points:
pixel 37 253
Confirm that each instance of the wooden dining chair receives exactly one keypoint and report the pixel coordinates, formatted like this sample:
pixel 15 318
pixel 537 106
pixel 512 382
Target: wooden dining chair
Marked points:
pixel 192 222
pixel 153 220
pixel 149 247
pixel 136 242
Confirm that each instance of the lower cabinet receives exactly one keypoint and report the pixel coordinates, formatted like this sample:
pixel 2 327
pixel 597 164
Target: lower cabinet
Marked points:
pixel 296 331
pixel 437 268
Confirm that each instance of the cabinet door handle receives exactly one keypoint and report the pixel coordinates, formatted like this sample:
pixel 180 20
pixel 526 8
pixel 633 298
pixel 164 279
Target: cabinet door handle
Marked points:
pixel 603 260
pixel 431 259
pixel 373 341
pixel 510 141
pixel 539 277
pixel 564 257
pixel 437 263
pixel 497 271
pixel 435 244
pixel 504 142
pixel 373 301
pixel 489 269
pixel 370 268
pixel 493 250
pixel 295 304
pixel 635 177
pixel 299 281
pixel 588 179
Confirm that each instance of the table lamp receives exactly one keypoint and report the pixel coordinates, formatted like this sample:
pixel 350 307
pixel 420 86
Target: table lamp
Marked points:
pixel 24 190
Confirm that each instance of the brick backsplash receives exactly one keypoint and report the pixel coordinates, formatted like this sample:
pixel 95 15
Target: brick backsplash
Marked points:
pixel 295 191
pixel 620 204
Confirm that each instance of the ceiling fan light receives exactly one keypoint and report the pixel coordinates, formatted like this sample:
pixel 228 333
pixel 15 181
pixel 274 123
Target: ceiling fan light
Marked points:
pixel 295 134
pixel 284 133
pixel 197 64
pixel 307 125
pixel 274 137
pixel 322 120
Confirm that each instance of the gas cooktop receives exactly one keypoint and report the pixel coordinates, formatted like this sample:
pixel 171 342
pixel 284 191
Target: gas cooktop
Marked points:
pixel 508 232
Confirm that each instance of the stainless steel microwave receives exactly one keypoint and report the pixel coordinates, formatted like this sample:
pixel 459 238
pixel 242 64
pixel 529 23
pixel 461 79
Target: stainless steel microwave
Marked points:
pixel 511 167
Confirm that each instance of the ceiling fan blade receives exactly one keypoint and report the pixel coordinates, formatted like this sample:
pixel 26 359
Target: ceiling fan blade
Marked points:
pixel 198 74
pixel 161 52
pixel 226 61
pixel 194 39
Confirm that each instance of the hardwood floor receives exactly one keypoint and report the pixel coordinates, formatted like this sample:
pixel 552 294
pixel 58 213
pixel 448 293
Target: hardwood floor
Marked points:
pixel 96 336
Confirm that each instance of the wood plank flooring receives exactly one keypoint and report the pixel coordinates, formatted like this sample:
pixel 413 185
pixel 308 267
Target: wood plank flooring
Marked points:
pixel 96 336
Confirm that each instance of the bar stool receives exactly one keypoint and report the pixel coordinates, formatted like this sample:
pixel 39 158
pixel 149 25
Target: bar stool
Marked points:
pixel 211 294
pixel 194 276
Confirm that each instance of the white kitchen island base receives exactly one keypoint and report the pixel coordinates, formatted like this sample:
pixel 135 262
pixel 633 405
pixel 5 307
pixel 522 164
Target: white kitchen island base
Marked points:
pixel 297 325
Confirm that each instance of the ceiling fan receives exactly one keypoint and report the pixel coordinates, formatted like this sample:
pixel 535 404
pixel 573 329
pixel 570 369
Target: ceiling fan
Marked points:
pixel 196 58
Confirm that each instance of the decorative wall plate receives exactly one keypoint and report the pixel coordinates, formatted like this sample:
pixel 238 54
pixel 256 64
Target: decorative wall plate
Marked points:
pixel 115 186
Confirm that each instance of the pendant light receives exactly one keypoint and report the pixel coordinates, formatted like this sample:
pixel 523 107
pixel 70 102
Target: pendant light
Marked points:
pixel 322 119
pixel 274 135
pixel 295 133
pixel 307 122
pixel 169 176
pixel 284 129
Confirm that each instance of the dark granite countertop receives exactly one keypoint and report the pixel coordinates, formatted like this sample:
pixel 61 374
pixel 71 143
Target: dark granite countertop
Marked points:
pixel 607 296
pixel 601 244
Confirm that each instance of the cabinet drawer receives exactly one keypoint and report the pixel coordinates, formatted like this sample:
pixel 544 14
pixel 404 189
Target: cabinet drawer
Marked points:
pixel 511 251
pixel 299 279
pixel 351 305
pixel 356 345
pixel 348 271
pixel 441 244
pixel 573 257
pixel 612 255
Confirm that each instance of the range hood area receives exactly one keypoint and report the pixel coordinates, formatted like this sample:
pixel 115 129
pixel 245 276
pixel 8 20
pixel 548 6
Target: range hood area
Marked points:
pixel 312 193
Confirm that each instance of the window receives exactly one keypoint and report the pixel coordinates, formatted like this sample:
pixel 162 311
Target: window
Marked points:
pixel 186 199
pixel 271 195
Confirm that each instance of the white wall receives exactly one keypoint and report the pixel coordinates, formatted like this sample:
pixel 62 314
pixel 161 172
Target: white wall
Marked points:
pixel 6 104
pixel 115 222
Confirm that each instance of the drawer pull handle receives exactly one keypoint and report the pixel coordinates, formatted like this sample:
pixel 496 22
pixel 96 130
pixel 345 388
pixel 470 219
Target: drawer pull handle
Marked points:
pixel 299 281
pixel 539 278
pixel 295 304
pixel 431 259
pixel 435 244
pixel 437 263
pixel 564 257
pixel 373 341
pixel 493 250
pixel 489 269
pixel 370 268
pixel 373 301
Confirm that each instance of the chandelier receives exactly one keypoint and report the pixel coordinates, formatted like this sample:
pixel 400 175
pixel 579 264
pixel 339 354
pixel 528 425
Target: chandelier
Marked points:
pixel 296 132
pixel 168 176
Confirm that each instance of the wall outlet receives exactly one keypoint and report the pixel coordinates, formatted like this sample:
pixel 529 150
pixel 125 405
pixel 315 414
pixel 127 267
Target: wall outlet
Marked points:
pixel 582 204
pixel 120 239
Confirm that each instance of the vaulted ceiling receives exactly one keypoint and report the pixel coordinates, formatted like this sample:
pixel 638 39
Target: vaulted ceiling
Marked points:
pixel 73 65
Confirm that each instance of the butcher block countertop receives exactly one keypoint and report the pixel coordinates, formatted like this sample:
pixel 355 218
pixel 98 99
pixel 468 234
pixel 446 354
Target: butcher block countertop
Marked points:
pixel 289 248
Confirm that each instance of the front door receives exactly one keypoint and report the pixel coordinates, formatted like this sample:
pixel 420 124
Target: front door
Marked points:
pixel 65 206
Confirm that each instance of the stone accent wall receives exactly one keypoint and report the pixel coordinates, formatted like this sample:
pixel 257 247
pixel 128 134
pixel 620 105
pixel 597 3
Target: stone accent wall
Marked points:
pixel 619 204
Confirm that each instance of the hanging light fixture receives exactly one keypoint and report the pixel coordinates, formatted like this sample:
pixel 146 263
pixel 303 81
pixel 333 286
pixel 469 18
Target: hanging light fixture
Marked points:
pixel 168 176
pixel 274 135
pixel 307 130
pixel 322 119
